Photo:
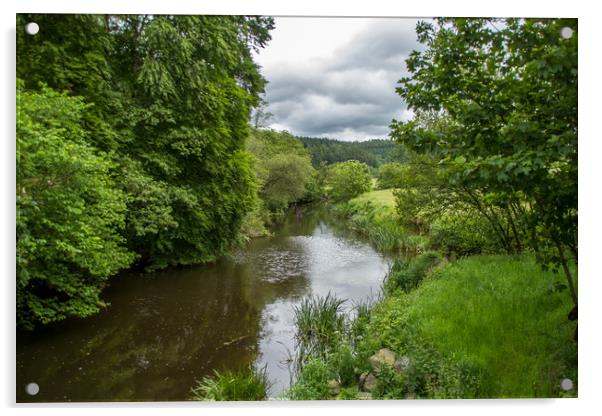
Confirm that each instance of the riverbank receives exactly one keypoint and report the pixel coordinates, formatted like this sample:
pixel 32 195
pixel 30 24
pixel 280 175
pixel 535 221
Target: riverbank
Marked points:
pixel 483 326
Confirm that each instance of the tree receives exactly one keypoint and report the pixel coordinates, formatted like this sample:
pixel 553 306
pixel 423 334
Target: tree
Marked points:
pixel 283 168
pixel 349 179
pixel 69 212
pixel 163 107
pixel 508 90
pixel 389 175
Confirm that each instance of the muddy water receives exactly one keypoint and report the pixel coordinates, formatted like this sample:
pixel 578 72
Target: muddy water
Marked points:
pixel 164 330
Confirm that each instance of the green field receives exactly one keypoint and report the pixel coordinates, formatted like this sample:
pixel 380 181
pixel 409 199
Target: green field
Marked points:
pixel 382 197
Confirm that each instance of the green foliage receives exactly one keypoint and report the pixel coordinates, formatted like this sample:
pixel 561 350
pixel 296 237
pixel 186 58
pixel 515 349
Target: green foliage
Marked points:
pixel 312 383
pixel 408 274
pixel 283 168
pixel 503 96
pixel 479 328
pixel 343 364
pixel 373 215
pixel 163 111
pixel 349 393
pixel 463 233
pixel 390 384
pixel 371 152
pixel 69 212
pixel 390 175
pixel 245 385
pixel 349 179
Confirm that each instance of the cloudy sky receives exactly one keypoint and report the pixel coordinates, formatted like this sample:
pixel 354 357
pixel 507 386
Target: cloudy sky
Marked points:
pixel 336 77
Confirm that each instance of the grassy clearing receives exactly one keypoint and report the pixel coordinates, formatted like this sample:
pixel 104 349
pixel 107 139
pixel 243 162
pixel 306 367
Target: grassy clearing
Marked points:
pixel 245 385
pixel 493 319
pixel 373 214
pixel 383 197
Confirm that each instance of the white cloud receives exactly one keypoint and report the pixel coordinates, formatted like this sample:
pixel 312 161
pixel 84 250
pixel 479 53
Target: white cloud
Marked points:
pixel 336 77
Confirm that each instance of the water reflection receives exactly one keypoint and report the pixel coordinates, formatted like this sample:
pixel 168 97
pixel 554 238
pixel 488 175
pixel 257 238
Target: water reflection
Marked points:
pixel 166 329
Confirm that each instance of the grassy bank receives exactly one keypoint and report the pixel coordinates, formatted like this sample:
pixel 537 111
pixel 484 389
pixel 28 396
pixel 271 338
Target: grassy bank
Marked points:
pixel 373 214
pixel 482 327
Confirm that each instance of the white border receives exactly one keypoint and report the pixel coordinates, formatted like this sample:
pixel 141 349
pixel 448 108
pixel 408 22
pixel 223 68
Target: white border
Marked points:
pixel 590 154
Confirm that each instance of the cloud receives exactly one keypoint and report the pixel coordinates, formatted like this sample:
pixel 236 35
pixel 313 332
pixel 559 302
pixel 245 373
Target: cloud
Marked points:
pixel 349 91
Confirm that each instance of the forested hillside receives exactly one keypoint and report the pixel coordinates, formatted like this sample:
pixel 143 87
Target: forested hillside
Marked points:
pixel 371 152
pixel 131 136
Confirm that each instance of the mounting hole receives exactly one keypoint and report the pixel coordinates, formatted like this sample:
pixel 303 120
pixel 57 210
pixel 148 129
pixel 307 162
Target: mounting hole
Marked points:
pixel 566 384
pixel 32 28
pixel 566 32
pixel 32 389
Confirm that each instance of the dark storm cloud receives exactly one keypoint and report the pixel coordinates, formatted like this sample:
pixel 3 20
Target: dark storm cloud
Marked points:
pixel 351 95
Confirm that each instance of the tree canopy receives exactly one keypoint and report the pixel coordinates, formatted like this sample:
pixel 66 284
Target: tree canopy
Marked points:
pixel 503 93
pixel 156 109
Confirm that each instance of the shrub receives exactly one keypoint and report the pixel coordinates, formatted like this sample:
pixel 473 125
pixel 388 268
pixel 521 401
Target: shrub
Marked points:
pixel 248 384
pixel 407 274
pixel 463 233
pixel 390 175
pixel 312 383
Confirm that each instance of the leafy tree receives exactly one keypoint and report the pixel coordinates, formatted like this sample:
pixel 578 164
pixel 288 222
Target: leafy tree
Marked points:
pixel 165 103
pixel 508 92
pixel 69 212
pixel 349 179
pixel 390 174
pixel 283 168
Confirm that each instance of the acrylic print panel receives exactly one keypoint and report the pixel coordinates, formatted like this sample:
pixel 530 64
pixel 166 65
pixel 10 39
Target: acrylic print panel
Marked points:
pixel 254 208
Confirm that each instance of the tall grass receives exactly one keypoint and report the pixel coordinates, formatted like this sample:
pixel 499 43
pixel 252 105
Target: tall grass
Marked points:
pixel 320 326
pixel 245 385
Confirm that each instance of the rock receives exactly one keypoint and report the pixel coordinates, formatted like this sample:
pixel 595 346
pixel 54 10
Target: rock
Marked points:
pixel 369 382
pixel 382 357
pixel 334 387
pixel 402 364
pixel 362 379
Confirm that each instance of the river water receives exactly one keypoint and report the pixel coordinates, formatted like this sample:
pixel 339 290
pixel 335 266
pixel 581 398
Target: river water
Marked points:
pixel 165 330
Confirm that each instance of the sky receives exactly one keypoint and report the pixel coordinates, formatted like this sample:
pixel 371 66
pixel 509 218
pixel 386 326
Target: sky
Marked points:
pixel 336 77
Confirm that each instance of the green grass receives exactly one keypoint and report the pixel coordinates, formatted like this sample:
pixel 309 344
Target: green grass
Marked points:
pixel 373 214
pixel 493 321
pixel 244 385
pixel 383 197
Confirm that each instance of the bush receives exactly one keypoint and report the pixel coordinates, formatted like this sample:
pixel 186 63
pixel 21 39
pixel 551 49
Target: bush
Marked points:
pixel 246 385
pixel 390 175
pixel 407 274
pixel 312 383
pixel 463 233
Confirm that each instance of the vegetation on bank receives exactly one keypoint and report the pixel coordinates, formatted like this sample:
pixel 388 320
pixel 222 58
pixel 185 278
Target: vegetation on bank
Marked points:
pixel 244 385
pixel 145 118
pixel 475 328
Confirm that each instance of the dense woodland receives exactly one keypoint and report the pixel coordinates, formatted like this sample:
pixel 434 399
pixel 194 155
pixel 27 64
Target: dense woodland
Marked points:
pixel 157 109
pixel 136 149
pixel 371 152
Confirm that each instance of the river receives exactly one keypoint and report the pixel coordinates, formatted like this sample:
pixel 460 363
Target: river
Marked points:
pixel 164 330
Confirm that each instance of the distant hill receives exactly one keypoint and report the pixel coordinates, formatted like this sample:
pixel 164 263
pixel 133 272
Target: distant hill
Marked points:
pixel 372 152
